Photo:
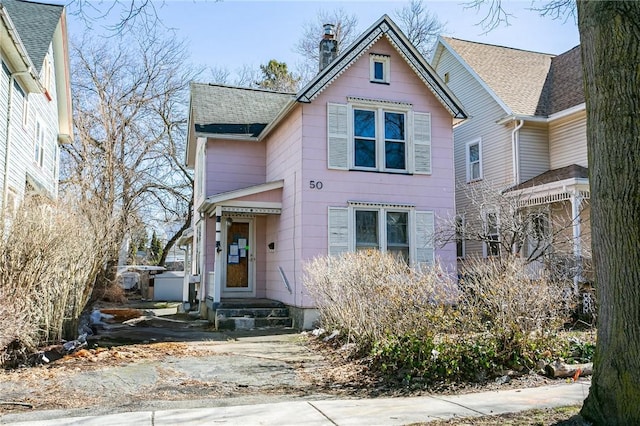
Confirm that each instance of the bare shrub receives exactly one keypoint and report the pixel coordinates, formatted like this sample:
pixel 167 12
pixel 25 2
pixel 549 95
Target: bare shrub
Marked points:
pixel 49 257
pixel 500 296
pixel 369 295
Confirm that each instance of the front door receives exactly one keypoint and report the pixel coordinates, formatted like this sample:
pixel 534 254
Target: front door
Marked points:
pixel 239 259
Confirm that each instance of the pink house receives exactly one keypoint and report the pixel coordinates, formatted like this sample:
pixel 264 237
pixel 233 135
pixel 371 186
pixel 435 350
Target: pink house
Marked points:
pixel 362 157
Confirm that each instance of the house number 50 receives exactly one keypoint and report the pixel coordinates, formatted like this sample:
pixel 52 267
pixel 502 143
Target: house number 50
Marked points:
pixel 315 184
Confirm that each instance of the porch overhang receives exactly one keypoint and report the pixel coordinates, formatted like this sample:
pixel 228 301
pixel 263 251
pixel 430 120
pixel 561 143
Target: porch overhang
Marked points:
pixel 554 192
pixel 263 199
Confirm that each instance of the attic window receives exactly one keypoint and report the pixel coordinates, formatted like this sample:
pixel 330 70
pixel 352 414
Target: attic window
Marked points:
pixel 380 68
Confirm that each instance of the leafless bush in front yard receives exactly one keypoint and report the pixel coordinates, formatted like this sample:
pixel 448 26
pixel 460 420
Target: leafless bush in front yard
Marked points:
pixel 369 295
pixel 499 295
pixel 49 257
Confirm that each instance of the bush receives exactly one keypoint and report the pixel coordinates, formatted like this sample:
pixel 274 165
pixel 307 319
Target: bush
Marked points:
pixel 500 297
pixel 369 295
pixel 48 262
pixel 417 325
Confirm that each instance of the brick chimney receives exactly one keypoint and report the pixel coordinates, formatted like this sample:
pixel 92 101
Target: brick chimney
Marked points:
pixel 328 46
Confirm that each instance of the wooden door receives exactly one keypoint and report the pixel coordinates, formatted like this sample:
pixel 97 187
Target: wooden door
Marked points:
pixel 238 256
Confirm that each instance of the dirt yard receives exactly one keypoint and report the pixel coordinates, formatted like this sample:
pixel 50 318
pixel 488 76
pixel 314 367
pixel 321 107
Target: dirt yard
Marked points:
pixel 161 365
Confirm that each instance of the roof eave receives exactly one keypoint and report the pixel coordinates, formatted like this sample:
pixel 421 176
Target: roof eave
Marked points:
pixel 384 27
pixel 475 75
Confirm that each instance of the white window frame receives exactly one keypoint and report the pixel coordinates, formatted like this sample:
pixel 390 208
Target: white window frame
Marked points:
pixel 379 110
pixel 468 163
pixel 385 60
pixel 382 211
pixel 39 141
pixel 25 111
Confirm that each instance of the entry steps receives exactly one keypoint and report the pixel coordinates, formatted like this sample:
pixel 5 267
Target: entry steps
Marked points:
pixel 249 314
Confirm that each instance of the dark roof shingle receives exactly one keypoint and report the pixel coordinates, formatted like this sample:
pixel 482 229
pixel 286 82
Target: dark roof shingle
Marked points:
pixel 563 88
pixel 36 24
pixel 219 109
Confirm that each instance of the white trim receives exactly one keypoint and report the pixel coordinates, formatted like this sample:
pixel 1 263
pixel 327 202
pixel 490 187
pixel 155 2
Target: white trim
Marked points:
pixel 385 60
pixel 243 137
pixel 567 112
pixel 467 162
pixel 379 109
pixel 250 291
pixel 244 192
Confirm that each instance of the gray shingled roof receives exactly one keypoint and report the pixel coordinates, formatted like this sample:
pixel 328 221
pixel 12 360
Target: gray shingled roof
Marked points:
pixel 218 109
pixel 516 76
pixel 563 88
pixel 36 24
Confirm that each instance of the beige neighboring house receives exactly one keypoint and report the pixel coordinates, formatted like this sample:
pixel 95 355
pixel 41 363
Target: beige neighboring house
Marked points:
pixel 35 98
pixel 526 134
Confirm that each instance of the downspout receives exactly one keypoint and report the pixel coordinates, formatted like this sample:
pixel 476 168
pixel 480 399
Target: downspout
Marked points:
pixel 515 149
pixel 7 155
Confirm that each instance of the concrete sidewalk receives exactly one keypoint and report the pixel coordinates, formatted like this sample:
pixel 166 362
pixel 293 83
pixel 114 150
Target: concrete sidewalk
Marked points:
pixel 377 411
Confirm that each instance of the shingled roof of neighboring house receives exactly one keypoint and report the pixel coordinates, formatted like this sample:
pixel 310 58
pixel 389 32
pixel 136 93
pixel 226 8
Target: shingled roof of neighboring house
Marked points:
pixel 36 24
pixel 220 109
pixel 516 76
pixel 528 83
pixel 563 88
pixel 573 171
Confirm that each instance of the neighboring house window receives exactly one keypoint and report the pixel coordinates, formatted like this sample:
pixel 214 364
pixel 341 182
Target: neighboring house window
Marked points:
pixel 39 144
pixel 460 245
pixel 401 231
pixel 47 77
pixel 25 111
pixel 381 136
pixel 474 160
pixel 380 68
pixel 492 242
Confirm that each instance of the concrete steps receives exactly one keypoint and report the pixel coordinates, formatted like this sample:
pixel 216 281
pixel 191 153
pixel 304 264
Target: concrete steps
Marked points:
pixel 248 314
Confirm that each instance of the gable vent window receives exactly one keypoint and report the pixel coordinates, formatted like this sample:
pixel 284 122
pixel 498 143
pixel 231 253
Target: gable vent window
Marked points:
pixel 380 68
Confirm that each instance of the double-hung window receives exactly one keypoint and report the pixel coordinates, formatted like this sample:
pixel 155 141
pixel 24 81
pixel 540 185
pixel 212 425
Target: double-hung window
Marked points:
pixel 379 139
pixel 38 156
pixel 398 230
pixel 378 136
pixel 474 160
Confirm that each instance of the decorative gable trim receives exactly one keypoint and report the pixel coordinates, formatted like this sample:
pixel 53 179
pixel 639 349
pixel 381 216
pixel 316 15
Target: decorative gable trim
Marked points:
pixel 385 27
pixel 339 66
pixel 365 101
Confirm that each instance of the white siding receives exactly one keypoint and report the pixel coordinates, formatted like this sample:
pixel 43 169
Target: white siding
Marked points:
pixel 568 141
pixel 484 111
pixel 534 151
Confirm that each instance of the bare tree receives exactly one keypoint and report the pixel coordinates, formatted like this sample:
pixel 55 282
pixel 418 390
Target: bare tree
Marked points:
pixel 312 32
pixel 421 27
pixel 130 13
pixel 508 223
pixel 130 113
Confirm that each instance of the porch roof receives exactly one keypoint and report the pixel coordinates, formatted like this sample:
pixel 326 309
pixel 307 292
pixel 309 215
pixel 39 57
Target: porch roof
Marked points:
pixel 553 186
pixel 250 200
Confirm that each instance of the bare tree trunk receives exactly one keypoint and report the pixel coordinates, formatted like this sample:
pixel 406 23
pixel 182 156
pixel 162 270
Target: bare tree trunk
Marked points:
pixel 610 39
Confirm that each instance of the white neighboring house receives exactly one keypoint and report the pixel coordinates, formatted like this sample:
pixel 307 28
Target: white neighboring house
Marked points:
pixel 35 98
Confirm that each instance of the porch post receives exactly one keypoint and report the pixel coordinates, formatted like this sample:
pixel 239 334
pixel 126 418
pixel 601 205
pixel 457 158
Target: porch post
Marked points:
pixel 576 200
pixel 217 267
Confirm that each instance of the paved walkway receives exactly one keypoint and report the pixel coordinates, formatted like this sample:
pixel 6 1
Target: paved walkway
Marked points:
pixel 376 411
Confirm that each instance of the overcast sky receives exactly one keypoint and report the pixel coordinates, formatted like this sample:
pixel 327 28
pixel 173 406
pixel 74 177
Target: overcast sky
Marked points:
pixel 234 33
